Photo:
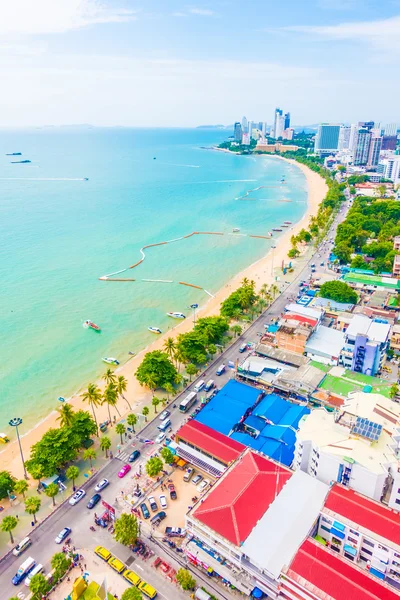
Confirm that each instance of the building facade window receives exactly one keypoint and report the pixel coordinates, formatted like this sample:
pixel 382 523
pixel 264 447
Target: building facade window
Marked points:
pixel 366 551
pixel 368 543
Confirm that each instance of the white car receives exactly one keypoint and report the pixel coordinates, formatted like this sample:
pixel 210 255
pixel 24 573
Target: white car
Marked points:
pixel 203 485
pixel 163 501
pixel 76 497
pixel 160 437
pixel 101 485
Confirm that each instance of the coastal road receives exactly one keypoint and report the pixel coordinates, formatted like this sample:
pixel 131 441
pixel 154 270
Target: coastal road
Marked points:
pixel 79 518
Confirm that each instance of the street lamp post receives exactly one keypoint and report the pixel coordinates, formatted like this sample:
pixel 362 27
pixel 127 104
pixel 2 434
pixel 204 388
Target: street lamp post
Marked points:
pixel 194 306
pixel 272 261
pixel 15 422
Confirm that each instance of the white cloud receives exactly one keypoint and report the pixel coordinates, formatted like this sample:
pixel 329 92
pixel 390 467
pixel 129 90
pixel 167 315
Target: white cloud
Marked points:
pixel 384 33
pixel 204 12
pixel 32 17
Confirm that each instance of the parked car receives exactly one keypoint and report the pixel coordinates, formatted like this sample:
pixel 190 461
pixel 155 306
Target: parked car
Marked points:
pixel 76 497
pixel 189 474
pixel 134 456
pixel 145 510
pixel 93 501
pixel 153 503
pixel 203 485
pixel 172 491
pixel 125 469
pixel 196 479
pixel 163 501
pixel 64 533
pixel 175 532
pixel 101 485
pixel 160 516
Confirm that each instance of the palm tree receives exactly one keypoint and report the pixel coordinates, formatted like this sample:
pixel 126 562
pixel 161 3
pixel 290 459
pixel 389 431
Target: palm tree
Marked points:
pixel 237 314
pixel 132 420
pixel 21 487
pixel 170 347
pixel 169 389
pixel 155 402
pixel 109 377
pixel 261 305
pixel 120 429
pixel 51 491
pixel 36 470
pixel 191 369
pixel 105 444
pixel 236 330
pixel 89 454
pixel 32 506
pixel 110 398
pixel 122 384
pixel 67 415
pixel 145 412
pixel 72 473
pixel 39 586
pixel 151 384
pixel 274 290
pixel 8 524
pixel 244 281
pixel 264 290
pixel 93 397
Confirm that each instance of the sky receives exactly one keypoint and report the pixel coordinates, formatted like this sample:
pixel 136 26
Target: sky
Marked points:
pixel 169 63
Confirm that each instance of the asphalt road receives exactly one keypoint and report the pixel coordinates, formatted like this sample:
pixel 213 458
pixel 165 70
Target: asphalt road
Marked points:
pixel 79 518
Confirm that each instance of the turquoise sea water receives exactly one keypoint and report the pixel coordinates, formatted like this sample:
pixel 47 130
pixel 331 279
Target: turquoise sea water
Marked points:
pixel 58 234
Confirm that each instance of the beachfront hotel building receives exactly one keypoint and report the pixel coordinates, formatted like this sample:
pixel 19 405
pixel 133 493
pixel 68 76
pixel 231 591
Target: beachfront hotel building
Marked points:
pixel 357 446
pixel 268 531
pixel 327 138
pixel 366 342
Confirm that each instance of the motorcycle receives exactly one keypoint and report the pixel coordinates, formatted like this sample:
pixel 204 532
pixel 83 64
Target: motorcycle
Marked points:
pixel 92 528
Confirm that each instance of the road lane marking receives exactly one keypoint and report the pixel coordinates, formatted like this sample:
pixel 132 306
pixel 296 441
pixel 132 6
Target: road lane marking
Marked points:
pixel 139 567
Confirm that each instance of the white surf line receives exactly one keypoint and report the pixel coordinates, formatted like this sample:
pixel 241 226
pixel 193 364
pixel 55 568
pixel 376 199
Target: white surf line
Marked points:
pixel 159 280
pixel 178 165
pixel 115 273
pixel 209 293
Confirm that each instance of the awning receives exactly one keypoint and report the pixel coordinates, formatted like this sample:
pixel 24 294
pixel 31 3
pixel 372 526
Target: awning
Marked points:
pixel 350 550
pixel 257 593
pixel 337 533
pixel 338 525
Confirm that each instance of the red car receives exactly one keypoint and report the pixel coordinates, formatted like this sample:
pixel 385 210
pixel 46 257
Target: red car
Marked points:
pixel 125 469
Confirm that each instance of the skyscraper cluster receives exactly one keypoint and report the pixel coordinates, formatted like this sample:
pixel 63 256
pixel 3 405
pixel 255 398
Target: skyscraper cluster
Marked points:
pixel 245 130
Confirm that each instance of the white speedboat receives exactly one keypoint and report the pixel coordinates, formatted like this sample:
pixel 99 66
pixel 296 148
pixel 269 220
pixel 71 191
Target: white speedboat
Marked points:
pixel 176 315
pixel 110 360
pixel 236 229
pixel 154 329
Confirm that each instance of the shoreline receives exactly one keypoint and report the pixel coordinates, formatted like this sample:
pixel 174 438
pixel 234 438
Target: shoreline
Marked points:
pixel 259 271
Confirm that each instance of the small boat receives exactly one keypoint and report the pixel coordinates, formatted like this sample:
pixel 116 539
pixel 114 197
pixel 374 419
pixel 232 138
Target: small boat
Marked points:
pixel 19 162
pixel 61 399
pixel 287 222
pixel 110 361
pixel 14 154
pixel 270 233
pixel 284 225
pixel 86 179
pixel 90 325
pixel 154 329
pixel 276 229
pixel 132 353
pixel 154 157
pixel 176 315
pixel 236 229
pixel 4 439
pixel 283 180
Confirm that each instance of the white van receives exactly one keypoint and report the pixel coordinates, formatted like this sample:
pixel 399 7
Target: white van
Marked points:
pixel 35 571
pixel 164 425
pixel 199 386
pixel 23 545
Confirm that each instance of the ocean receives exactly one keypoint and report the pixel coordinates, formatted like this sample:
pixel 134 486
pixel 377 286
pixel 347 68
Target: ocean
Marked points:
pixel 59 233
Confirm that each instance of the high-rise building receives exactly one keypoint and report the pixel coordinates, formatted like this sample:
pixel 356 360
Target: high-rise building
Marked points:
pixel 238 132
pixel 287 120
pixel 264 128
pixel 344 137
pixel 361 147
pixel 244 125
pixel 390 129
pixel 375 148
pixel 327 138
pixel 278 123
pixel 366 125
pixel 389 142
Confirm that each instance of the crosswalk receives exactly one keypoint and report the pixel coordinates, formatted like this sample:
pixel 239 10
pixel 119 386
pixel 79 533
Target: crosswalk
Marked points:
pixel 123 456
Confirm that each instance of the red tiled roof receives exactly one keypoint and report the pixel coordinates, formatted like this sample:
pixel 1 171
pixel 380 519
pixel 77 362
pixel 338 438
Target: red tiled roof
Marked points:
pixel 210 441
pixel 241 497
pixel 330 576
pixel 301 319
pixel 365 512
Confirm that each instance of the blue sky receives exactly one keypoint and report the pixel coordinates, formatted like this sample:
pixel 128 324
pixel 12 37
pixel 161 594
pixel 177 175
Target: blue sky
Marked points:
pixel 173 63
